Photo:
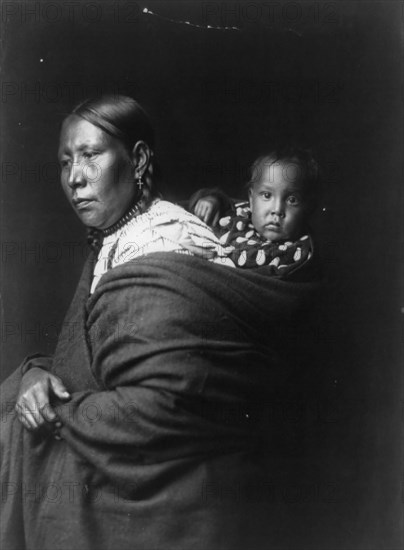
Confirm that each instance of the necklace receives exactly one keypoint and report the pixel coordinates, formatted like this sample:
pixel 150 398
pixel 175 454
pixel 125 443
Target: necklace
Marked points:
pixel 96 236
pixel 134 211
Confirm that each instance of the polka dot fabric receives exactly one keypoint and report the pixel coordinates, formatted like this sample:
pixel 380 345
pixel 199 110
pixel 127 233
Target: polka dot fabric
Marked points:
pixel 247 249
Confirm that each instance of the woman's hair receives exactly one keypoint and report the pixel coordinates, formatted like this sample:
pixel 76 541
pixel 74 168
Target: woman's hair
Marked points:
pixel 309 171
pixel 123 118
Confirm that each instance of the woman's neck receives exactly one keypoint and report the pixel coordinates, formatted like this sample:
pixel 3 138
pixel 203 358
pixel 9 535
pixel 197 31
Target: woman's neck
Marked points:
pixel 95 236
pixel 133 211
pixel 137 208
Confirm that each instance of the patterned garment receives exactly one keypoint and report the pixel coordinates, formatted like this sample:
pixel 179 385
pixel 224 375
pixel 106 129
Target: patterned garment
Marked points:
pixel 164 227
pixel 247 249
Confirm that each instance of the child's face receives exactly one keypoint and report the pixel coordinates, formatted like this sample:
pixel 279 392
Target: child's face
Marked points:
pixel 278 204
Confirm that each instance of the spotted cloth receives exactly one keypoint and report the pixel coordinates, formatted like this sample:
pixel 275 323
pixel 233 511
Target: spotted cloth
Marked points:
pixel 247 249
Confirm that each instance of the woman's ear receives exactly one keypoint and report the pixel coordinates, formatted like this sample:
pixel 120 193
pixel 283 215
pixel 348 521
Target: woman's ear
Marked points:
pixel 141 155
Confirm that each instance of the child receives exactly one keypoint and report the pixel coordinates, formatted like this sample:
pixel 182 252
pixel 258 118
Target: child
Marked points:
pixel 272 227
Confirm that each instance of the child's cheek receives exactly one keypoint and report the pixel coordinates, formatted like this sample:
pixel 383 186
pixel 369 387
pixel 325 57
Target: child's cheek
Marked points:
pixel 257 218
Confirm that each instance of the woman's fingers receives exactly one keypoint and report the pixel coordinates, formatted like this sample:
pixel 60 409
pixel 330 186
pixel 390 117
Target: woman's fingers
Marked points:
pixel 47 413
pixel 58 387
pixel 43 411
pixel 33 406
pixel 33 399
pixel 26 416
pixel 37 415
pixel 26 424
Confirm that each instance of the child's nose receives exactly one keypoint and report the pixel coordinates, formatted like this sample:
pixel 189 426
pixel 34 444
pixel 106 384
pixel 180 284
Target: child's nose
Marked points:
pixel 277 208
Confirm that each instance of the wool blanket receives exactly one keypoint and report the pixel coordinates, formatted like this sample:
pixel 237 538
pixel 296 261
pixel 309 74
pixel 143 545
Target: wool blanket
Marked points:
pixel 171 365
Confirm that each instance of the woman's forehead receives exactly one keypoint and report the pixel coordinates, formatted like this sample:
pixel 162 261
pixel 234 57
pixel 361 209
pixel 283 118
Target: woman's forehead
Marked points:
pixel 77 131
pixel 76 125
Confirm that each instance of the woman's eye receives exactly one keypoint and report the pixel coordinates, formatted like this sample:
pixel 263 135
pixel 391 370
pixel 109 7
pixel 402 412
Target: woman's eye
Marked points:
pixel 64 163
pixel 89 154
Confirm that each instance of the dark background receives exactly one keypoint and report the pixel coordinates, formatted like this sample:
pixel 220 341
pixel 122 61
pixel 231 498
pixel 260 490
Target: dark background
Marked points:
pixel 328 74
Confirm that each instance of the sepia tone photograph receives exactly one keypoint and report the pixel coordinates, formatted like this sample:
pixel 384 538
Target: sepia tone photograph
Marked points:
pixel 201 275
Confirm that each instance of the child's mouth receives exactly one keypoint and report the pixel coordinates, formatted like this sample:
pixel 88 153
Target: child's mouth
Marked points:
pixel 273 226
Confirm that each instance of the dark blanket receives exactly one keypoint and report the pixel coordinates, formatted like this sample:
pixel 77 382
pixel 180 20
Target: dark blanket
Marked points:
pixel 171 363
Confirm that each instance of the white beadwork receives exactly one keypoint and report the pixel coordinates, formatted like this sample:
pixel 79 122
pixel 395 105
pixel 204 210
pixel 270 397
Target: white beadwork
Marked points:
pixel 242 258
pixel 260 259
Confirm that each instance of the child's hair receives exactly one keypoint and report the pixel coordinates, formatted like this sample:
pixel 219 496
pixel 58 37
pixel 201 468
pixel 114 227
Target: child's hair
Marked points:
pixel 298 156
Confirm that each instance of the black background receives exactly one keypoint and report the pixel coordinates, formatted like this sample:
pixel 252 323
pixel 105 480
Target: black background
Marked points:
pixel 325 73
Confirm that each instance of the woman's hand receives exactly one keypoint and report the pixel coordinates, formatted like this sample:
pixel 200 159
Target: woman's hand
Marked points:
pixel 33 402
pixel 208 210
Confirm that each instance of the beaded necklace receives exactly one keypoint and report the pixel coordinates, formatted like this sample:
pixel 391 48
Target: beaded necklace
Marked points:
pixel 134 211
pixel 96 236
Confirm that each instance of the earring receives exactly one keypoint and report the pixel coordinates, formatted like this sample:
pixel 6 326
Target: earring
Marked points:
pixel 139 182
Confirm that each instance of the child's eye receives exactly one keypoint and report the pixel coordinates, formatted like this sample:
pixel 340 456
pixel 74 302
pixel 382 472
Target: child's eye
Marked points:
pixel 293 200
pixel 266 195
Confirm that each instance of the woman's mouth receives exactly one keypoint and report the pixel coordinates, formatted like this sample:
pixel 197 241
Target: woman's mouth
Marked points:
pixel 82 203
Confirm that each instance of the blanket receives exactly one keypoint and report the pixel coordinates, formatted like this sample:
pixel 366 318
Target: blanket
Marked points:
pixel 171 365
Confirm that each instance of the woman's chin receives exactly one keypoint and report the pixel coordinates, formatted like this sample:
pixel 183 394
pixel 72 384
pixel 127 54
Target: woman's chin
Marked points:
pixel 89 219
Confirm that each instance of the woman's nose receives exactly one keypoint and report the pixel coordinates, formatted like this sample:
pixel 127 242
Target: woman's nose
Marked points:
pixel 76 175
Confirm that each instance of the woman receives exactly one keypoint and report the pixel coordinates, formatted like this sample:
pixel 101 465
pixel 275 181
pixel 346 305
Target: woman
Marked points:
pixel 106 159
pixel 148 428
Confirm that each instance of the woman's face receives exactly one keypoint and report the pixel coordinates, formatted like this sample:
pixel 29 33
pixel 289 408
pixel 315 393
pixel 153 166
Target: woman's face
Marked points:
pixel 96 173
